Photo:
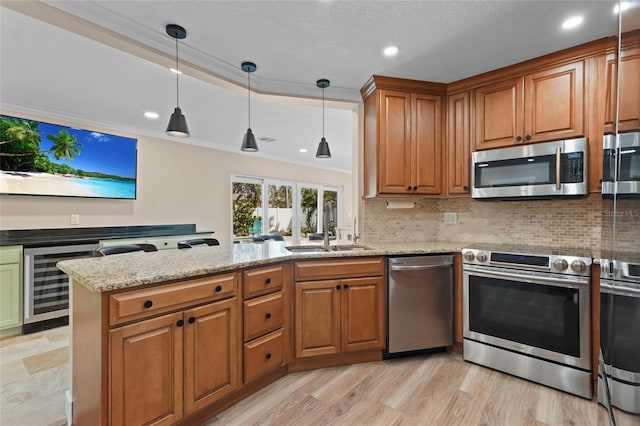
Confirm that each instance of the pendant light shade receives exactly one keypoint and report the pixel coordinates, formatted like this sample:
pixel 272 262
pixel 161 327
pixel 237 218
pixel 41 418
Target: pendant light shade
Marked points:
pixel 249 140
pixel 323 146
pixel 177 123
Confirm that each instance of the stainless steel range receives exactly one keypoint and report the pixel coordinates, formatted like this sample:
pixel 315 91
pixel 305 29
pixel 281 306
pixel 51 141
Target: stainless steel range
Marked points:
pixel 526 312
pixel 620 332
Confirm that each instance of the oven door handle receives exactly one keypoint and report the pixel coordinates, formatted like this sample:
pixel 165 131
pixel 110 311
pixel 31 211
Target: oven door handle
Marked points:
pixel 558 167
pixel 571 283
pixel 633 292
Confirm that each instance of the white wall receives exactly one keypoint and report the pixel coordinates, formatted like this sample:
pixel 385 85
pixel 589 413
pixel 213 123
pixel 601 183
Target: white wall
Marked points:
pixel 177 183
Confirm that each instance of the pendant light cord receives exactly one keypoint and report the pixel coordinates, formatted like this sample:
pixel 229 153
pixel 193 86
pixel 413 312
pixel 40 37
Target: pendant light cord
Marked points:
pixel 323 112
pixel 177 75
pixel 249 98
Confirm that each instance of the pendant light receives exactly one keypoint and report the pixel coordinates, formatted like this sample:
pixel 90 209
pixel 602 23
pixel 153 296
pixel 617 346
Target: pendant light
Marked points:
pixel 177 123
pixel 249 140
pixel 323 146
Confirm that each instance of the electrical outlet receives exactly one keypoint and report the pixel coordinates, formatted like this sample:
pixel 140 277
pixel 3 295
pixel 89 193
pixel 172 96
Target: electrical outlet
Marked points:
pixel 75 219
pixel 450 217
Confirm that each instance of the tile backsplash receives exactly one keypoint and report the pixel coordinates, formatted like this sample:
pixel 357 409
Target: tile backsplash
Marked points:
pixel 568 223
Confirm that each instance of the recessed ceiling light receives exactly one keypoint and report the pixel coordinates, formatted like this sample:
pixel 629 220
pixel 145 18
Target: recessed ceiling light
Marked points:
pixel 390 51
pixel 572 22
pixel 152 115
pixel 302 150
pixel 625 5
pixel 175 71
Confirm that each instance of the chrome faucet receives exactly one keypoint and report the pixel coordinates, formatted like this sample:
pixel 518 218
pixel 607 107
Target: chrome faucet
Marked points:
pixel 356 235
pixel 327 218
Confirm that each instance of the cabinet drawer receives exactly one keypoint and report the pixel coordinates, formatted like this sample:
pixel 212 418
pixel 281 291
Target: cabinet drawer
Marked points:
pixel 330 269
pixel 262 315
pixel 11 254
pixel 263 355
pixel 137 304
pixel 262 281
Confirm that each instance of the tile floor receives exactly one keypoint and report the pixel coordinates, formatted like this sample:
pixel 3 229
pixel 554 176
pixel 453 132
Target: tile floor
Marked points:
pixel 34 373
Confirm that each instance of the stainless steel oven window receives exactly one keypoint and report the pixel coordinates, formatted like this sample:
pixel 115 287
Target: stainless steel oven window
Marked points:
pixel 510 309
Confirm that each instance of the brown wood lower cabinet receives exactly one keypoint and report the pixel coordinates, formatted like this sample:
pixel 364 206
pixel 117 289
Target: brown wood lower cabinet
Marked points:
pixel 165 367
pixel 339 315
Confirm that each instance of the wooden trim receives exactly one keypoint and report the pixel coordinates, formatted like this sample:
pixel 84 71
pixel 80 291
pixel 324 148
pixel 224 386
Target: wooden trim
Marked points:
pixel 457 291
pixel 378 82
pixel 339 268
pixel 344 358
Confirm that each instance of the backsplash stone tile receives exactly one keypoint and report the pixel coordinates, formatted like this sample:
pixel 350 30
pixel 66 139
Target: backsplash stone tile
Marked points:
pixel 569 223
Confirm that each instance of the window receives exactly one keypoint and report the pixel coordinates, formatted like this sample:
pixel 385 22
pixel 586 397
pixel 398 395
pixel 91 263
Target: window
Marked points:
pixel 291 209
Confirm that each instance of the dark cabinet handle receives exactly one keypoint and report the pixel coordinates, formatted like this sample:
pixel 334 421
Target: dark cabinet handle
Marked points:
pixel 180 323
pixel 166 243
pixel 148 304
pixel 267 281
pixel 192 320
pixel 518 138
pixel 408 188
pixel 415 188
pixel 218 288
pixel 346 286
pixel 337 287
pixel 268 355
pixel 527 138
pixel 466 188
pixel 268 315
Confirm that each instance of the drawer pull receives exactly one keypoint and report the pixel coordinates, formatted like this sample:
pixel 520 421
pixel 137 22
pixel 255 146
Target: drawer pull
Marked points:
pixel 268 315
pixel 192 320
pixel 218 288
pixel 148 304
pixel 267 281
pixel 268 355
pixel 180 323
pixel 346 286
pixel 338 287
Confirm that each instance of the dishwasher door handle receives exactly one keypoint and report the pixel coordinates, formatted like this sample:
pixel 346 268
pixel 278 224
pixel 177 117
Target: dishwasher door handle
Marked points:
pixel 419 267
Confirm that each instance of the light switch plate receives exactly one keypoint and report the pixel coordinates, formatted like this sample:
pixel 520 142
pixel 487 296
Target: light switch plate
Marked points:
pixel 75 219
pixel 450 217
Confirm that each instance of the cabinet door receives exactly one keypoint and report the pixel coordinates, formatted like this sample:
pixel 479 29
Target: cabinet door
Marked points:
pixel 317 318
pixel 629 108
pixel 362 313
pixel 394 148
pixel 146 372
pixel 426 146
pixel 458 144
pixel 499 114
pixel 211 356
pixel 554 103
pixel 10 296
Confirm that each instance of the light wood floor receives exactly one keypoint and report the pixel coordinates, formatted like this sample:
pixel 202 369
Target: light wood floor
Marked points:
pixel 439 389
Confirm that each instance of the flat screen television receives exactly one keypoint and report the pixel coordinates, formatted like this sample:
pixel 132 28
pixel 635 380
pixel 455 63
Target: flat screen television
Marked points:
pixel 38 158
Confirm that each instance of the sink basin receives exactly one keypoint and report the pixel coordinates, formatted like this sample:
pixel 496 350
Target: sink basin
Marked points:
pixel 325 249
pixel 307 249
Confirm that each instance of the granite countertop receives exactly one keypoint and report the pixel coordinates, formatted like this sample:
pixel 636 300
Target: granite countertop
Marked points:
pixel 134 269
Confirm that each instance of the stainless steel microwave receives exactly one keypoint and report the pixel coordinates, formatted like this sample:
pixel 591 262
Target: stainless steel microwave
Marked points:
pixel 541 170
pixel 624 179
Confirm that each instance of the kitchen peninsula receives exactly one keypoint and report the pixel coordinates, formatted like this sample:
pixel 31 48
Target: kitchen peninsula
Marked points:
pixel 142 324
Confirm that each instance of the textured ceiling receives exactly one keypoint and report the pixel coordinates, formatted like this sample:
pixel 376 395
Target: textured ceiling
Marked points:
pixel 110 66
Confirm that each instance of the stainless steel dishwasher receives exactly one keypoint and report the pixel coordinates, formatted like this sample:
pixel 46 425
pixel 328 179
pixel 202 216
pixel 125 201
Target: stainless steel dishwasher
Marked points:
pixel 419 303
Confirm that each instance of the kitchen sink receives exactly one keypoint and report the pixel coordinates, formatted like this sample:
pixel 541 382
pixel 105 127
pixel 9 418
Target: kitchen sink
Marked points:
pixel 325 249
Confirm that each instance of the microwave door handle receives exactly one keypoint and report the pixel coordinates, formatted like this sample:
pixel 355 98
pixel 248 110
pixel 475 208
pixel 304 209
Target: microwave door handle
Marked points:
pixel 558 161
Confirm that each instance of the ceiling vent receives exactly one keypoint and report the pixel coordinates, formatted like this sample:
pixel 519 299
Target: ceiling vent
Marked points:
pixel 266 139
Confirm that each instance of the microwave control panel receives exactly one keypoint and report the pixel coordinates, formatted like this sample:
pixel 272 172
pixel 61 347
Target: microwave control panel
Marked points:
pixel 573 167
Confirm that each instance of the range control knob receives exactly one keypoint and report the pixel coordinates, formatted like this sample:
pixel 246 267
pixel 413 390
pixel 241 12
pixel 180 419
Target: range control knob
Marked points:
pixel 560 264
pixel 469 256
pixel 578 266
pixel 482 256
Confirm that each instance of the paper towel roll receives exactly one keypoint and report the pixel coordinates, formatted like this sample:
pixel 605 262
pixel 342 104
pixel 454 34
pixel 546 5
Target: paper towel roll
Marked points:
pixel 400 204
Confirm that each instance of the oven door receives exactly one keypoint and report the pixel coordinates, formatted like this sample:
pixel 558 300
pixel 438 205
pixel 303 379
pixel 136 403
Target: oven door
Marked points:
pixel 539 314
pixel 620 329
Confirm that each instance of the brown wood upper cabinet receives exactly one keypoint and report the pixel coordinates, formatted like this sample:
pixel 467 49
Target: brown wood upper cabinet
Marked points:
pixel 629 108
pixel 458 149
pixel 541 106
pixel 403 136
